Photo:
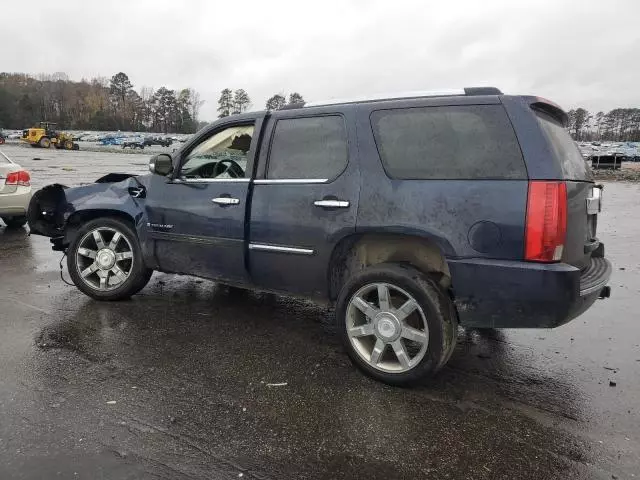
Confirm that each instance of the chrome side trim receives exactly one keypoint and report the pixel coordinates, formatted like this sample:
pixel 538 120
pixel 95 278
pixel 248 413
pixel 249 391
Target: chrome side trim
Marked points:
pixel 277 248
pixel 299 181
pixel 211 180
pixel 200 240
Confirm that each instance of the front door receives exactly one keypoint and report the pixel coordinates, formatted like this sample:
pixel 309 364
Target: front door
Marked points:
pixel 196 219
pixel 305 198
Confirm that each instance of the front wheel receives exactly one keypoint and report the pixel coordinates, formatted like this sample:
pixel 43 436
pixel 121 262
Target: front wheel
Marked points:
pixel 105 260
pixel 397 323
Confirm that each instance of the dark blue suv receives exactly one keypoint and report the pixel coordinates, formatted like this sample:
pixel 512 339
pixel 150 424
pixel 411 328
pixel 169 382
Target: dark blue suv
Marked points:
pixel 413 213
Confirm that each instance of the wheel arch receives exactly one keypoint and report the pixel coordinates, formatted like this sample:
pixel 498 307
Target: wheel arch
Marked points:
pixel 80 217
pixel 358 251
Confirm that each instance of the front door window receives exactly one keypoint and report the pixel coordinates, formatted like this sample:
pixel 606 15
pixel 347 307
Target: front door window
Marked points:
pixel 220 156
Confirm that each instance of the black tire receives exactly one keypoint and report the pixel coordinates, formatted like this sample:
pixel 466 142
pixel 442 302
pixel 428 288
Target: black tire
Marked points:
pixel 15 222
pixel 439 312
pixel 45 142
pixel 139 275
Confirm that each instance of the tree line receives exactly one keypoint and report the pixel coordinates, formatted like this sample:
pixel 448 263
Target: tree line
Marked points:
pixel 619 125
pixel 96 104
pixel 238 101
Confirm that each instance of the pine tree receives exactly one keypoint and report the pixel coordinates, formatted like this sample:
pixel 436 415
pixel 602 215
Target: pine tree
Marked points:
pixel 295 98
pixel 225 103
pixel 241 101
pixel 276 102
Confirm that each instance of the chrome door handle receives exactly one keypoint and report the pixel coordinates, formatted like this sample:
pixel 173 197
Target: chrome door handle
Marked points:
pixel 331 203
pixel 225 201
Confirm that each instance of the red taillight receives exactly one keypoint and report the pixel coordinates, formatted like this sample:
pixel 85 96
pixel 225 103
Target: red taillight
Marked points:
pixel 20 178
pixel 546 226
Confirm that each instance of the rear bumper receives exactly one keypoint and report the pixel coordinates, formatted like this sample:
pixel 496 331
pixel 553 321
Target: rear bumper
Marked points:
pixel 507 294
pixel 15 203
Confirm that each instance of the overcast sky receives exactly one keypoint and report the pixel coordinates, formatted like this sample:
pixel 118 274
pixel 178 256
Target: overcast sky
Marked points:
pixel 573 52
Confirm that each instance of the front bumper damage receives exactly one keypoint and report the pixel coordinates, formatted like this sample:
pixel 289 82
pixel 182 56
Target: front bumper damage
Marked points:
pixel 55 209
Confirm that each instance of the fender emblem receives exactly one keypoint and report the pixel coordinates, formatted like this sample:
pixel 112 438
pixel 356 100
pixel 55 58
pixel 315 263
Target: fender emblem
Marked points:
pixel 161 226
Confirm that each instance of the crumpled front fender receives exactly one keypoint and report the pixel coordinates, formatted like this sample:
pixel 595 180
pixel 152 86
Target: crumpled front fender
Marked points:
pixel 53 208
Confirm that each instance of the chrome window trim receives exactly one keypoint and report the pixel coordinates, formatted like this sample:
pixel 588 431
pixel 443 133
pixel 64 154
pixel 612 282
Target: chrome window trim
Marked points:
pixel 264 247
pixel 267 181
pixel 211 180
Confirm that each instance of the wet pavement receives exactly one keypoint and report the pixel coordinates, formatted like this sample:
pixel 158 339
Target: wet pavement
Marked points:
pixel 191 380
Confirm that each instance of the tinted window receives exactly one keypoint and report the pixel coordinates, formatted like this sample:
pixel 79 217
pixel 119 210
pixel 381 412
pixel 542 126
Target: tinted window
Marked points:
pixel 454 142
pixel 574 166
pixel 314 147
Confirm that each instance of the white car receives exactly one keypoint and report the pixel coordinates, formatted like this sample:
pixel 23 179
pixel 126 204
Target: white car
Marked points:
pixel 15 192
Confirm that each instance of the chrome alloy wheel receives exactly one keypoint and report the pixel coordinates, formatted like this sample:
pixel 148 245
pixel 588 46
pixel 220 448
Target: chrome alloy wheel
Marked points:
pixel 104 258
pixel 387 327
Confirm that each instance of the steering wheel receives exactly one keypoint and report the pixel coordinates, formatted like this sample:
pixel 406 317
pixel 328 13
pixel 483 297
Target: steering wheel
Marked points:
pixel 233 169
pixel 207 171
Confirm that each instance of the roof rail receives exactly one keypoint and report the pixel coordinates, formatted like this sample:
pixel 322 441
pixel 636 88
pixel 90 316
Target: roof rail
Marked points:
pixel 482 91
pixel 292 106
pixel 416 94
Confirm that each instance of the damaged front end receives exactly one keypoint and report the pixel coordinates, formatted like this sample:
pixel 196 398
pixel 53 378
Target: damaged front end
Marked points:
pixel 56 211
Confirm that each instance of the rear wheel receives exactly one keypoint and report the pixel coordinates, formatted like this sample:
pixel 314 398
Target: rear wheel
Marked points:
pixel 398 324
pixel 68 145
pixel 45 142
pixel 15 222
pixel 105 260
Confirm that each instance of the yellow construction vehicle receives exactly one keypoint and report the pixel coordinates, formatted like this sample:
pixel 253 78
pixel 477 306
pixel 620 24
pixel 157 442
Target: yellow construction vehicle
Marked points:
pixel 45 135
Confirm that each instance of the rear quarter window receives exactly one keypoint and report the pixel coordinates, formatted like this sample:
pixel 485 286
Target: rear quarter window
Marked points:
pixel 450 142
pixel 573 164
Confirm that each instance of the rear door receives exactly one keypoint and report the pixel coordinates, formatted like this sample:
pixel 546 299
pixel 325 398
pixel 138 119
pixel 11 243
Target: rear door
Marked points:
pixel 583 197
pixel 305 198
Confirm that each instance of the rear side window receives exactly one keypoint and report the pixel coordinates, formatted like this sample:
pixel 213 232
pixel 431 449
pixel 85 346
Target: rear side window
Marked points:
pixel 311 147
pixel 453 142
pixel 573 164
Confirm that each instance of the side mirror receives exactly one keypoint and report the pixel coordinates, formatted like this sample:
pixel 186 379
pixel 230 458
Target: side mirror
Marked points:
pixel 161 164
